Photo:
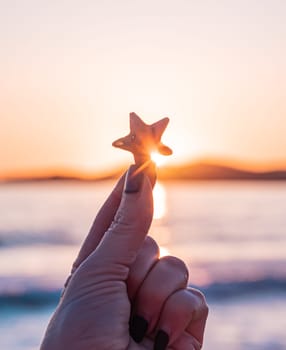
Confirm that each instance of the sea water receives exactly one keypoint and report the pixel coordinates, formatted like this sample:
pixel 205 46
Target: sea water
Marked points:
pixel 232 235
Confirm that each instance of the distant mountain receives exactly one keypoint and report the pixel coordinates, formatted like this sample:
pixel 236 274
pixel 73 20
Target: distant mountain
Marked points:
pixel 191 171
pixel 60 177
pixel 210 171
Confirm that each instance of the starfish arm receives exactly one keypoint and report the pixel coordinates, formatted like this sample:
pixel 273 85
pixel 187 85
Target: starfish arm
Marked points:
pixel 165 150
pixel 136 123
pixel 123 143
pixel 159 127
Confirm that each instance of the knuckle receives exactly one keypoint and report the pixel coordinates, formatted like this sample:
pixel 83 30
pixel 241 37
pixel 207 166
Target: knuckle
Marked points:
pixel 175 263
pixel 202 303
pixel 151 245
pixel 204 309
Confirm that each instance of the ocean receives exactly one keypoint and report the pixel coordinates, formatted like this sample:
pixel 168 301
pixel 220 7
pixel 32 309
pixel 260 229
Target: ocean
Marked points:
pixel 232 235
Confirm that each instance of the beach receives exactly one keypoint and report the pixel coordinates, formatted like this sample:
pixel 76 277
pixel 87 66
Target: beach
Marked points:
pixel 231 234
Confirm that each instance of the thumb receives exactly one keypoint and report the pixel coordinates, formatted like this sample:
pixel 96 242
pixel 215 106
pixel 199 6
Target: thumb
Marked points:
pixel 121 242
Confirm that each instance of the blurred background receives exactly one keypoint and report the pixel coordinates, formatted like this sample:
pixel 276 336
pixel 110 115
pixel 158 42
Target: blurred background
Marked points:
pixel 71 71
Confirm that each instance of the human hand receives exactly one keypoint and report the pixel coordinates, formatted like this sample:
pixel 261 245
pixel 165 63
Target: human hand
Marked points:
pixel 118 277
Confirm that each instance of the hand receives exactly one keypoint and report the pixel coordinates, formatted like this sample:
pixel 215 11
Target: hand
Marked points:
pixel 118 279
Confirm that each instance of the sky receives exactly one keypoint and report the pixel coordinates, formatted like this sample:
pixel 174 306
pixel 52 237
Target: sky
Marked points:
pixel 71 71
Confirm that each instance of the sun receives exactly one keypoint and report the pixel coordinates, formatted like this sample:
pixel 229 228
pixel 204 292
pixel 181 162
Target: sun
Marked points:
pixel 158 159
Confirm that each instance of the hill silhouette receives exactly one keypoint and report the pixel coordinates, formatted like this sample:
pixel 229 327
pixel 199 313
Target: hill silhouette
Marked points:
pixel 212 171
pixel 187 172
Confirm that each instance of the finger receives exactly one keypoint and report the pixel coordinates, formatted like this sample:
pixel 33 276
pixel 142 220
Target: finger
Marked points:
pixel 185 310
pixel 101 223
pixel 106 215
pixel 198 323
pixel 186 341
pixel 167 276
pixel 120 244
pixel 147 256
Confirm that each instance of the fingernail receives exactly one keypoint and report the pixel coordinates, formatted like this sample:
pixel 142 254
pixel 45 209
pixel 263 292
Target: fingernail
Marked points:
pixel 65 285
pixel 161 340
pixel 138 328
pixel 133 180
pixel 68 280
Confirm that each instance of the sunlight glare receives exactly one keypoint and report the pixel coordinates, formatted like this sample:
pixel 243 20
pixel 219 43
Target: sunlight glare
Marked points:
pixel 158 159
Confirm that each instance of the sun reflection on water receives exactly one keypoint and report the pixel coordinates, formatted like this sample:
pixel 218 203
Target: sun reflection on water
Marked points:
pixel 161 233
pixel 163 251
pixel 160 207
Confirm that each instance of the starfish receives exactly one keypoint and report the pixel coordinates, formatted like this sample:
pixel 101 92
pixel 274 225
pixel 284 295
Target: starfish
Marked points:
pixel 144 139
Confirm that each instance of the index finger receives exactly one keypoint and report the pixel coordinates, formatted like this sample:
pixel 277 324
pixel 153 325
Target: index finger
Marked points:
pixel 106 214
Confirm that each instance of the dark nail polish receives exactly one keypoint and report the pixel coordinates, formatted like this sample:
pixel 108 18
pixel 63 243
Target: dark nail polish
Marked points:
pixel 138 328
pixel 133 180
pixel 161 340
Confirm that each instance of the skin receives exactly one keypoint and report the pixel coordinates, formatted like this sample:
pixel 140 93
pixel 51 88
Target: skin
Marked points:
pixel 118 273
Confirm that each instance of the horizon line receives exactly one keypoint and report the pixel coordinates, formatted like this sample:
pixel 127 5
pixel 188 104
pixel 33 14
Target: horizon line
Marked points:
pixel 113 172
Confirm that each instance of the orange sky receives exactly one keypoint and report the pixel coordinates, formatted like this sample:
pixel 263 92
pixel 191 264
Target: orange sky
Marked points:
pixel 72 71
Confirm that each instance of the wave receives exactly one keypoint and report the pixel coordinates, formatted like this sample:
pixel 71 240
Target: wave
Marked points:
pixel 28 238
pixel 29 299
pixel 223 291
pixel 216 292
